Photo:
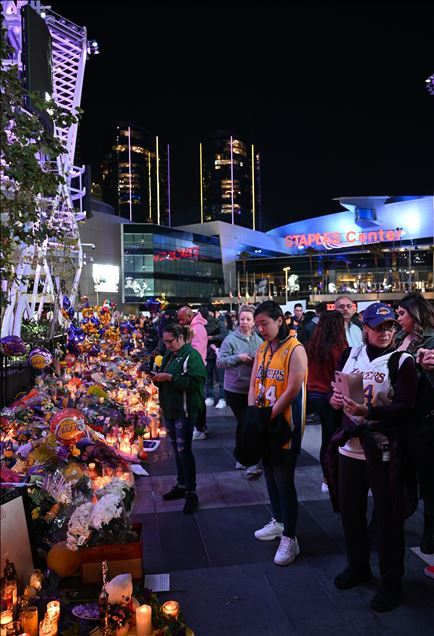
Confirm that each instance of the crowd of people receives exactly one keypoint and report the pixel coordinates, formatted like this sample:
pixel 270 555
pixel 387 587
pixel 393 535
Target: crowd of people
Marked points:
pixel 267 366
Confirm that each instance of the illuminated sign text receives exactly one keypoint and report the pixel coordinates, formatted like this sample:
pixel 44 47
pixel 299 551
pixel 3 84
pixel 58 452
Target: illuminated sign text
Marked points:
pixel 334 239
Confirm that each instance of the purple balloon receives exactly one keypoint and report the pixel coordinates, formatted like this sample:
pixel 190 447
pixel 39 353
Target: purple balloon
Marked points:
pixel 12 346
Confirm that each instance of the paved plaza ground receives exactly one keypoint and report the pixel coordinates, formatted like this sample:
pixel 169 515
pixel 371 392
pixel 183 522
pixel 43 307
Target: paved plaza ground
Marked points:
pixel 225 580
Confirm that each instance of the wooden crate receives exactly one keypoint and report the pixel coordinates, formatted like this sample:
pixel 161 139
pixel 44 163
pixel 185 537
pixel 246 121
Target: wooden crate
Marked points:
pixel 121 558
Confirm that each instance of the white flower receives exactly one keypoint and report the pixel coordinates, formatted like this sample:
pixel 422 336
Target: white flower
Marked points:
pixel 107 508
pixel 79 526
pixel 115 487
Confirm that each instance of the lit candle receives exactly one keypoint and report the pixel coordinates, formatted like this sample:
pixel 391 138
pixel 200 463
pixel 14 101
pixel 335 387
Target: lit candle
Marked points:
pixel 144 620
pixel 147 435
pixel 163 432
pixel 171 608
pixel 53 611
pixel 6 617
pixel 29 619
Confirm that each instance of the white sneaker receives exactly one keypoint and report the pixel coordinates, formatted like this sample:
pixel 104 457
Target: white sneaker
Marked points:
pixel 221 404
pixel 253 472
pixel 324 488
pixel 198 434
pixel 239 466
pixel 287 551
pixel 273 530
pixel 209 402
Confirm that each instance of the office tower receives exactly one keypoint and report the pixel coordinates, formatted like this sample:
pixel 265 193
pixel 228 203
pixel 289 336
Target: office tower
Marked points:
pixel 136 176
pixel 230 181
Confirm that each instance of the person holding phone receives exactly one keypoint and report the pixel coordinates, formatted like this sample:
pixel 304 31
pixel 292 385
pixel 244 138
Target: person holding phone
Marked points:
pixel 416 319
pixel 236 356
pixel 181 382
pixel 366 450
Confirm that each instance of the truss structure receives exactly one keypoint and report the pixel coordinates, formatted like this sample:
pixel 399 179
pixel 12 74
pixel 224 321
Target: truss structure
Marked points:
pixel 37 284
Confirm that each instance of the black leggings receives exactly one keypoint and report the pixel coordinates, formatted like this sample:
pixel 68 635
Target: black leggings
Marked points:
pixel 355 479
pixel 238 403
pixel 279 475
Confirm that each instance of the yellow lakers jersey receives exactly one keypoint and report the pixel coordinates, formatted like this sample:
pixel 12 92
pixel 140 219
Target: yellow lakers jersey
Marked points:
pixel 272 376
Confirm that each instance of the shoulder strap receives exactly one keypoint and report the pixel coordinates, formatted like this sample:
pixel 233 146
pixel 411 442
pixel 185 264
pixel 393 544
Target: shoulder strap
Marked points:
pixel 393 367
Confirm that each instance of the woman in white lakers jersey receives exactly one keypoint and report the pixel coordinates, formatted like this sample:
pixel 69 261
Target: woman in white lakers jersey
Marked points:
pixel 367 455
pixel 279 381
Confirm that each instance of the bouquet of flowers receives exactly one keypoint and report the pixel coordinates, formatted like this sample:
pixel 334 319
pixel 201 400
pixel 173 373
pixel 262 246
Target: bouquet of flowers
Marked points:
pixel 102 522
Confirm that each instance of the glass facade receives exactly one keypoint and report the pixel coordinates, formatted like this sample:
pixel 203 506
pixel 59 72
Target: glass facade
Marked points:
pixel 231 181
pixel 381 269
pixel 182 266
pixel 135 176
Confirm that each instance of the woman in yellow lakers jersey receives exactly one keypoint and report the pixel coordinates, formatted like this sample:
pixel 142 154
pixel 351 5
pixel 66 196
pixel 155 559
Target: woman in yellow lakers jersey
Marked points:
pixel 279 381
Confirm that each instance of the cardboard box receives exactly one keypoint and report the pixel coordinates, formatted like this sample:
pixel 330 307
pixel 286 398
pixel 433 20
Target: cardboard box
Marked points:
pixel 121 558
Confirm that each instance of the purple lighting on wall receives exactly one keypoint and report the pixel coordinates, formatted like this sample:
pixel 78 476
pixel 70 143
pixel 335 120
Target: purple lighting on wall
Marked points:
pixel 430 84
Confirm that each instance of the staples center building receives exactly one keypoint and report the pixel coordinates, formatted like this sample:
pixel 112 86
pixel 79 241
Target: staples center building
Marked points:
pixel 376 248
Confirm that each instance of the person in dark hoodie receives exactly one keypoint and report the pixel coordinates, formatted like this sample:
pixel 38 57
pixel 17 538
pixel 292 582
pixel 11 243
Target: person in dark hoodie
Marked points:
pixel 368 454
pixel 236 356
pixel 181 382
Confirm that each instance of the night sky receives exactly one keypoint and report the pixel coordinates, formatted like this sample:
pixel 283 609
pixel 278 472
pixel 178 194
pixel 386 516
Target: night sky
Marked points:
pixel 332 96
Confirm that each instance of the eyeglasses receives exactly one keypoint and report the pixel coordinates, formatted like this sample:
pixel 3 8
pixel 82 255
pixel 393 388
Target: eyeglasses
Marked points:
pixel 382 328
pixel 168 341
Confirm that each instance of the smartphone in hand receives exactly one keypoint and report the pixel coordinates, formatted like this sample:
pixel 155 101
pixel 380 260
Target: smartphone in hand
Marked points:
pixel 350 385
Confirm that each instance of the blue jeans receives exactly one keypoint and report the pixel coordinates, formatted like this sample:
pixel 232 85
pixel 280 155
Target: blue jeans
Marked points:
pixel 180 432
pixel 279 477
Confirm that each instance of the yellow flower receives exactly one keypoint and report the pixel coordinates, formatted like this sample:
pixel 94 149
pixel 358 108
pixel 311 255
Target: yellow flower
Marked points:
pixel 35 513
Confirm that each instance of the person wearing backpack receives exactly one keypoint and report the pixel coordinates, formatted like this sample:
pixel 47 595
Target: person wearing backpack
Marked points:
pixel 181 391
pixel 365 454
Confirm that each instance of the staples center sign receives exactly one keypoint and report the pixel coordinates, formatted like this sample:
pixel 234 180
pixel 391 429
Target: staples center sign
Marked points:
pixel 332 240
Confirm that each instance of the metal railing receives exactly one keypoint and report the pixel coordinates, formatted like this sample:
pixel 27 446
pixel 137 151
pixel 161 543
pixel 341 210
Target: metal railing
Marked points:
pixel 17 376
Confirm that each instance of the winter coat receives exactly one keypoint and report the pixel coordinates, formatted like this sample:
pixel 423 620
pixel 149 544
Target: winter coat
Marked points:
pixel 237 374
pixel 184 395
pixel 200 336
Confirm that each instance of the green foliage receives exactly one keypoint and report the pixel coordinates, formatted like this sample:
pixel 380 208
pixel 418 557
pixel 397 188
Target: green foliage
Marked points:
pixel 30 179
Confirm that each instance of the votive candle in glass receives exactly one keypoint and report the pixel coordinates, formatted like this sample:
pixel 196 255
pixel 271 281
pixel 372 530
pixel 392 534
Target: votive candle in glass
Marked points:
pixel 53 611
pixel 6 617
pixel 29 619
pixel 171 608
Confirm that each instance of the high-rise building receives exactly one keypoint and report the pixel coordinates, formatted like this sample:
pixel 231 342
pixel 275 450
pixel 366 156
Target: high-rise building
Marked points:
pixel 136 176
pixel 230 181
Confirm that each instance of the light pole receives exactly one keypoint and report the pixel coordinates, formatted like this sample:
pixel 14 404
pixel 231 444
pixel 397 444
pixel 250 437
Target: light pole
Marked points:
pixel 286 270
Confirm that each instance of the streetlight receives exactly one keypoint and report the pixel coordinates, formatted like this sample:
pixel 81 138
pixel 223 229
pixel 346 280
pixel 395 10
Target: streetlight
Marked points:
pixel 286 270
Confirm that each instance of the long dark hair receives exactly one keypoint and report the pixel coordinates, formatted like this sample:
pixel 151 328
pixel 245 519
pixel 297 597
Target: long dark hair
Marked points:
pixel 329 334
pixel 422 313
pixel 274 311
